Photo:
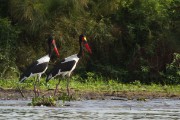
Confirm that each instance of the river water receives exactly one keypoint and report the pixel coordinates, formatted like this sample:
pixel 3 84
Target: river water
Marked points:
pixel 164 109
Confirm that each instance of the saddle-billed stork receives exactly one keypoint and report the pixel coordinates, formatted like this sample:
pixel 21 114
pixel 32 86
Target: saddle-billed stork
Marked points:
pixel 40 66
pixel 67 65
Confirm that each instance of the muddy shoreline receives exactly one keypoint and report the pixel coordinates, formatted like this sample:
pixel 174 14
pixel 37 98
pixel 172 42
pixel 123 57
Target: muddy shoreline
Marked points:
pixel 14 94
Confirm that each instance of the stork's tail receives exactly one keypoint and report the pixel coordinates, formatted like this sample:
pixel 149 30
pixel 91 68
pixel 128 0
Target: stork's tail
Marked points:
pixel 49 76
pixel 22 78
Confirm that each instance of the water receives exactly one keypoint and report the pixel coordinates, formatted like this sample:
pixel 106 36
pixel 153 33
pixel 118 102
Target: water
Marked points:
pixel 164 109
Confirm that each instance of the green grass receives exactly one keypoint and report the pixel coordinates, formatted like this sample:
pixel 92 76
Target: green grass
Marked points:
pixel 91 85
pixel 46 101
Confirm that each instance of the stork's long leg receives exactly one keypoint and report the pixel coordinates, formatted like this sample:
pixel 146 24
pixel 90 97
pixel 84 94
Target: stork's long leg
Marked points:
pixel 56 87
pixel 68 79
pixel 36 91
pixel 35 87
pixel 38 80
pixel 20 90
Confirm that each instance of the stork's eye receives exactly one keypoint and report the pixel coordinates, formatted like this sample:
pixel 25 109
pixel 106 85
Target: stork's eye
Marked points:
pixel 84 39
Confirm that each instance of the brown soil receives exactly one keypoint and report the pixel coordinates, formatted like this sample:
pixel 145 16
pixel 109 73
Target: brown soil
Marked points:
pixel 12 94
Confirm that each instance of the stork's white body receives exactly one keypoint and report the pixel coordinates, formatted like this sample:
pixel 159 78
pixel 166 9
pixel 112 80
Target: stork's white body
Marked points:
pixel 65 67
pixel 37 68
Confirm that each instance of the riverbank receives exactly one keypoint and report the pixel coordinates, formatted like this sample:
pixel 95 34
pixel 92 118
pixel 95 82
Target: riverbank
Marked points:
pixel 89 90
pixel 13 94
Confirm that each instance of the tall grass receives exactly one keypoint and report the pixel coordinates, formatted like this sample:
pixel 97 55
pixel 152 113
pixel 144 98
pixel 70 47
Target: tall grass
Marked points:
pixel 90 84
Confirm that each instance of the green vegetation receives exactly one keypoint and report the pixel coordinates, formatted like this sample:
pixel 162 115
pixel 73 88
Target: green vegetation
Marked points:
pixel 130 39
pixel 92 84
pixel 46 101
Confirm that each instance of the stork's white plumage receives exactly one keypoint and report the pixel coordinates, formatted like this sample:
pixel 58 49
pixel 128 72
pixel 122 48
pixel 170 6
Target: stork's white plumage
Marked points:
pixel 36 68
pixel 44 59
pixel 66 66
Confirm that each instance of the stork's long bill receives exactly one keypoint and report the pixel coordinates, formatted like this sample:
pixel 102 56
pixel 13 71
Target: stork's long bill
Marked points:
pixel 55 48
pixel 86 45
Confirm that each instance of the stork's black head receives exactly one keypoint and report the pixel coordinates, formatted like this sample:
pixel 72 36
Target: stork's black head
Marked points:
pixel 50 38
pixel 82 39
pixel 51 41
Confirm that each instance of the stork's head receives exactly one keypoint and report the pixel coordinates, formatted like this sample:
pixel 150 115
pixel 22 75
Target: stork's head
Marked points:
pixel 52 42
pixel 83 40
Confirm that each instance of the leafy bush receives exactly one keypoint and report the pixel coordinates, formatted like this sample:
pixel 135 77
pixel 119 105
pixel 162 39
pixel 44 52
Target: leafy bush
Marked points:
pixel 130 40
pixel 45 101
pixel 8 47
pixel 172 73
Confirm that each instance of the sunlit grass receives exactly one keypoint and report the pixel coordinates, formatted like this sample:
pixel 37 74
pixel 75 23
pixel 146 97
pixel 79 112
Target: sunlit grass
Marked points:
pixel 90 85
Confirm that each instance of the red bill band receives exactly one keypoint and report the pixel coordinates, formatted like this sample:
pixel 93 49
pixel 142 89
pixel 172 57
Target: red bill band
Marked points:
pixel 56 50
pixel 88 48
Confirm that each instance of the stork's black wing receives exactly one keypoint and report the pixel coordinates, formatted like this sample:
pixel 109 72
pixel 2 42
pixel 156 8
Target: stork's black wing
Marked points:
pixel 62 67
pixel 33 69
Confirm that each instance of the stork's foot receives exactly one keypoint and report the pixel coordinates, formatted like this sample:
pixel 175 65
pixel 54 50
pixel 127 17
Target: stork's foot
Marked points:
pixel 55 91
pixel 65 97
pixel 21 92
pixel 68 91
pixel 68 95
pixel 36 92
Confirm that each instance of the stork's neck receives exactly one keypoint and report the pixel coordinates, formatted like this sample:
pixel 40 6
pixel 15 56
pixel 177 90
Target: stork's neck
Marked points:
pixel 80 50
pixel 49 50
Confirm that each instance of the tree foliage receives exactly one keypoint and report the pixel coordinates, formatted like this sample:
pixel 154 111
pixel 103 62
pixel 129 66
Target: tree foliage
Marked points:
pixel 8 43
pixel 131 39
